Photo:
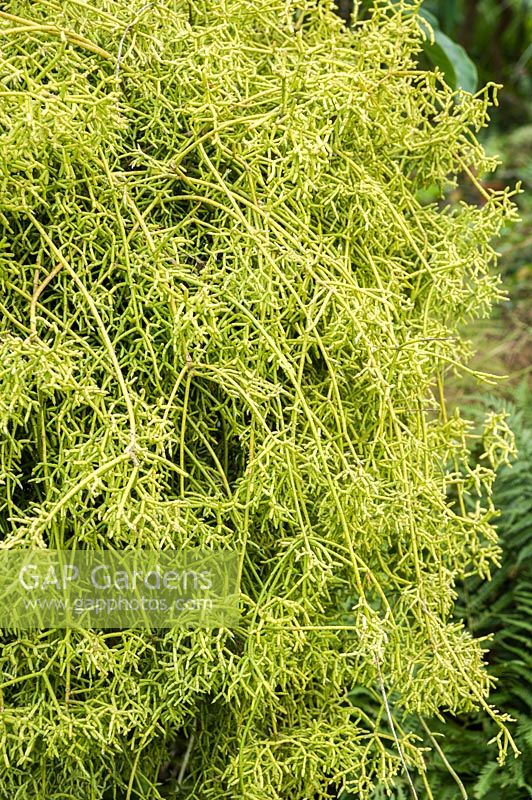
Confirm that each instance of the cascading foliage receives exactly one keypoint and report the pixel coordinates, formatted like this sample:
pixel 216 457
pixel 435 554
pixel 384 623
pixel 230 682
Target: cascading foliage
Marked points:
pixel 227 319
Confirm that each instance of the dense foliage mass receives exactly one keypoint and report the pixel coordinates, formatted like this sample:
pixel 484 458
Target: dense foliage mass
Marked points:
pixel 503 607
pixel 459 764
pixel 227 318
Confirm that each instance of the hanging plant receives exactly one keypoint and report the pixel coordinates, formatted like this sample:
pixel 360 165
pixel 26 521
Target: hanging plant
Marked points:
pixel 227 321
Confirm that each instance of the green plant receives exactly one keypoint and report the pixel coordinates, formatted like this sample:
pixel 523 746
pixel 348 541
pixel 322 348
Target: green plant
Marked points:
pixel 227 323
pixel 438 49
pixel 500 607
pixel 503 606
pixel 449 56
pixel 497 35
pixel 493 35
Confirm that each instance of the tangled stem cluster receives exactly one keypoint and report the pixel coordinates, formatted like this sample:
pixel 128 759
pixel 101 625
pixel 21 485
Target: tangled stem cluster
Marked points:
pixel 227 319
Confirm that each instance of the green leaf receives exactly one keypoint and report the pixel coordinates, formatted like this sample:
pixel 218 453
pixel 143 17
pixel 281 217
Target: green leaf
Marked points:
pixel 460 72
pixel 431 18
